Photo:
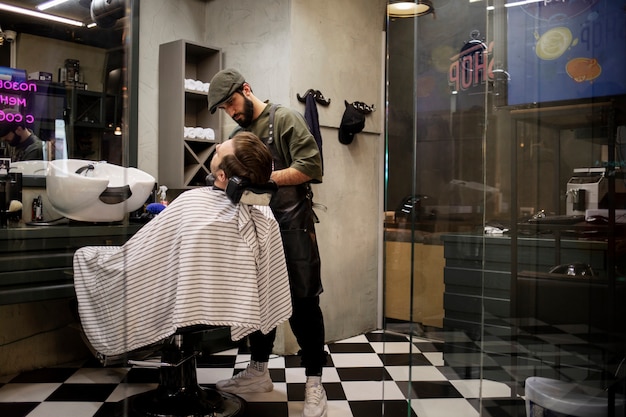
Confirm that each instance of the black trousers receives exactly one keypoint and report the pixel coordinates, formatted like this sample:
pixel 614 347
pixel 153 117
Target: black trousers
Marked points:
pixel 307 324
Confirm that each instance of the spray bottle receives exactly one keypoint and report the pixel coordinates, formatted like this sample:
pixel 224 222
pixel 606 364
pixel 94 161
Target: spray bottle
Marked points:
pixel 163 195
pixel 37 211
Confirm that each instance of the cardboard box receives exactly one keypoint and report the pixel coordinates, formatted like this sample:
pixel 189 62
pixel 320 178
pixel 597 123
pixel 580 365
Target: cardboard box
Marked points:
pixel 40 76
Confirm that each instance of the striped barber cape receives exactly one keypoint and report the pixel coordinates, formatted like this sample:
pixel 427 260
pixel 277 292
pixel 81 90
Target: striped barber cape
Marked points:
pixel 201 261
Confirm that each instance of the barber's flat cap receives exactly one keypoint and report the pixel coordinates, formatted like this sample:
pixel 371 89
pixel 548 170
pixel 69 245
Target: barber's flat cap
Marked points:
pixel 222 86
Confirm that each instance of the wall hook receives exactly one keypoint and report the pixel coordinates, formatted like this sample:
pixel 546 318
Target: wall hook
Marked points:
pixel 362 107
pixel 317 95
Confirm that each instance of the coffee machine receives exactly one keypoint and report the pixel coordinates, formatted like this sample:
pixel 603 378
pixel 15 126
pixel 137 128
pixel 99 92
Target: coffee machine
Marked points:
pixel 588 188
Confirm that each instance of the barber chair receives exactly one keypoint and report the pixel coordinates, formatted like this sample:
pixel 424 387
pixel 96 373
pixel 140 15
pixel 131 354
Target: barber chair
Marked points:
pixel 178 393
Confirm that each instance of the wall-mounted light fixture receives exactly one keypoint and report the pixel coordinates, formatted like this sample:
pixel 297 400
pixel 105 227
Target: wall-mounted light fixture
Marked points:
pixel 49 4
pixel 39 15
pixel 521 3
pixel 410 8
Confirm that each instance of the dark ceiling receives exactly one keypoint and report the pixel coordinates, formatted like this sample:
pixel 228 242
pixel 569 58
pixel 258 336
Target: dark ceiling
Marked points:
pixel 72 9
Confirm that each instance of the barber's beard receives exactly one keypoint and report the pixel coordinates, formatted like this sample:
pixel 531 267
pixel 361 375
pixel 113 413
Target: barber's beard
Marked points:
pixel 248 112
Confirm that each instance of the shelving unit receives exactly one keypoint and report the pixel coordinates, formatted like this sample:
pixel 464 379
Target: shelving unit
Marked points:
pixel 84 113
pixel 184 162
pixel 87 123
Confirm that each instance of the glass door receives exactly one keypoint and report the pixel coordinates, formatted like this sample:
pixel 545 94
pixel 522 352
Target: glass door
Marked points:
pixel 504 200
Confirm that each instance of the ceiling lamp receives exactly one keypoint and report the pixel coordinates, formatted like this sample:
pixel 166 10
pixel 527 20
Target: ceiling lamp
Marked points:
pixel 48 4
pixel 39 15
pixel 106 13
pixel 410 8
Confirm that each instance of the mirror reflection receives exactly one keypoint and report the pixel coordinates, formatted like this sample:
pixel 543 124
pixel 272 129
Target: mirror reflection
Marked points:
pixel 61 90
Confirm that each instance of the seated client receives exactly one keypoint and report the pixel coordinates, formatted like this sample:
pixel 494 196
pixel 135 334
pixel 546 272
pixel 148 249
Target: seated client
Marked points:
pixel 204 260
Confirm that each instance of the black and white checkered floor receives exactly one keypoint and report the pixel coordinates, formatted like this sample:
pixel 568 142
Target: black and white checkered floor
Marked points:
pixel 361 373
pixel 370 375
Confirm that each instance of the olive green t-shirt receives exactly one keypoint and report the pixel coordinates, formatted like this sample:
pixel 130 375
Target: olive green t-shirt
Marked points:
pixel 294 142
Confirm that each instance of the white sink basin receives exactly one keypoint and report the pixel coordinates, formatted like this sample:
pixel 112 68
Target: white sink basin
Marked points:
pixel 36 168
pixel 96 191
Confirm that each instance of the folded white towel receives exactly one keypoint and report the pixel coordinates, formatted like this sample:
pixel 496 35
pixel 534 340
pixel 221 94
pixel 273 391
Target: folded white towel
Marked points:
pixel 198 133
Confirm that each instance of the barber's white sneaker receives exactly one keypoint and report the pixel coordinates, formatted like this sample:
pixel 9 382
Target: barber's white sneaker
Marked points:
pixel 314 398
pixel 247 381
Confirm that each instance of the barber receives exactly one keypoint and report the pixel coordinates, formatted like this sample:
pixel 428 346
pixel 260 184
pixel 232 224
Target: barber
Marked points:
pixel 297 163
pixel 26 145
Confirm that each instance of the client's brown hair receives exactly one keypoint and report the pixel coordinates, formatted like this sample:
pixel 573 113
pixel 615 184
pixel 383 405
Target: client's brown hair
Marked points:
pixel 251 159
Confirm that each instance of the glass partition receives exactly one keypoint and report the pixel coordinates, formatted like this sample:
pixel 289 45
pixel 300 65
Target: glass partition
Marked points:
pixel 504 202
pixel 66 82
pixel 64 91
pixel 81 84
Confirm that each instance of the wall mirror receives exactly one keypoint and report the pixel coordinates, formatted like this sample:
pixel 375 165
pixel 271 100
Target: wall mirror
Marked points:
pixel 63 66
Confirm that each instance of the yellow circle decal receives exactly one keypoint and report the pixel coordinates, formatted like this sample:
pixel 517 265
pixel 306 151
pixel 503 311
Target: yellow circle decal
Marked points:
pixel 553 43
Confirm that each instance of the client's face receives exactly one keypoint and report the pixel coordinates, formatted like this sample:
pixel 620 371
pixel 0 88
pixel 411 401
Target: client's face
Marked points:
pixel 225 148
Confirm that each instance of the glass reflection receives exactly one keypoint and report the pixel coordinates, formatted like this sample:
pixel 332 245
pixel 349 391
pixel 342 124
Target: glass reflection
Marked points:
pixel 61 92
pixel 79 86
pixel 505 199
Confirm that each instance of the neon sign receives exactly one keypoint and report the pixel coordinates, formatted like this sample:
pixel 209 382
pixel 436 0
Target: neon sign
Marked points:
pixel 16 118
pixel 16 101
pixel 471 67
pixel 12 100
pixel 18 86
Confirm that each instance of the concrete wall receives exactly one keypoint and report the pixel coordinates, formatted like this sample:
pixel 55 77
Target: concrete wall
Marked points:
pixel 285 47
pixel 160 21
pixel 337 47
pixel 35 53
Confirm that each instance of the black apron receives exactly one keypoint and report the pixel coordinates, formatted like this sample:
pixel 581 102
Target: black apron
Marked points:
pixel 292 206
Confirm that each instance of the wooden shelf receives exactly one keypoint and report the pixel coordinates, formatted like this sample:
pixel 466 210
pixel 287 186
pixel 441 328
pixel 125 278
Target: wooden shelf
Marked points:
pixel 184 162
